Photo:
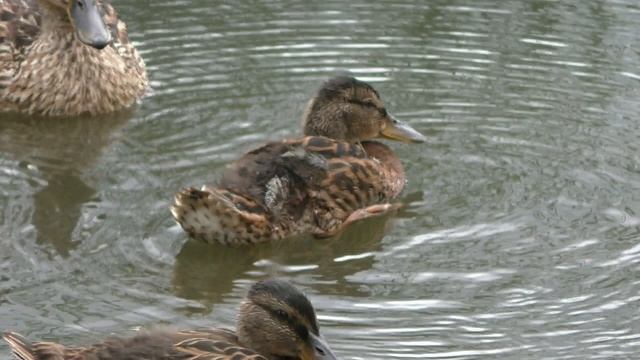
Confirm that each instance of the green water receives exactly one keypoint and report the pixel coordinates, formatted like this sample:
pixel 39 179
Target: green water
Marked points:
pixel 520 231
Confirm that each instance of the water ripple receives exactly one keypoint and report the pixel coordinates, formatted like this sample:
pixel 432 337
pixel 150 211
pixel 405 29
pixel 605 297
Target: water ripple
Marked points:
pixel 519 233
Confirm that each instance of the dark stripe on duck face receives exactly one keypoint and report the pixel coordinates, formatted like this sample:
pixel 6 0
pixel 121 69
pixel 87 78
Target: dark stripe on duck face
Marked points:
pixel 382 110
pixel 288 296
pixel 293 322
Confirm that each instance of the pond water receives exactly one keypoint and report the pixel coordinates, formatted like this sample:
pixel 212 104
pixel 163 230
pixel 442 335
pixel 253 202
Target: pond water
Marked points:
pixel 520 233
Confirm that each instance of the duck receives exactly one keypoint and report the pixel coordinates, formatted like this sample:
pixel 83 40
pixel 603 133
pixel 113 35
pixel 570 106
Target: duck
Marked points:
pixel 275 321
pixel 318 184
pixel 67 58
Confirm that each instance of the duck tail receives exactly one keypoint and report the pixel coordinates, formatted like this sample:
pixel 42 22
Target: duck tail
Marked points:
pixel 218 215
pixel 21 347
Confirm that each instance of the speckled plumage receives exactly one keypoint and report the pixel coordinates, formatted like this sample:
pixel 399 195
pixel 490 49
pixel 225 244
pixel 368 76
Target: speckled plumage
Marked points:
pixel 275 321
pixel 268 195
pixel 46 70
pixel 313 185
pixel 219 344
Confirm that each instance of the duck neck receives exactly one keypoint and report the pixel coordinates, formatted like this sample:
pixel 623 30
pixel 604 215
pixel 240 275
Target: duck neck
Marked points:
pixel 322 119
pixel 54 20
pixel 252 332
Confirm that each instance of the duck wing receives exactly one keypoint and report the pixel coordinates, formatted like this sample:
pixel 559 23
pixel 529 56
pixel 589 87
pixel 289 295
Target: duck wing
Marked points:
pixel 369 176
pixel 277 176
pixel 285 170
pixel 282 188
pixel 207 349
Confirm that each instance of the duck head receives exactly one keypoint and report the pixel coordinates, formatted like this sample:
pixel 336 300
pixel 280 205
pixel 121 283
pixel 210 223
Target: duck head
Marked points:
pixel 351 110
pixel 86 18
pixel 278 321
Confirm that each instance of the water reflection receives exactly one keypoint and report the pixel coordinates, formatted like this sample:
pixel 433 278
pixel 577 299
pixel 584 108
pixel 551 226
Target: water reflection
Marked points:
pixel 57 156
pixel 57 208
pixel 520 235
pixel 207 272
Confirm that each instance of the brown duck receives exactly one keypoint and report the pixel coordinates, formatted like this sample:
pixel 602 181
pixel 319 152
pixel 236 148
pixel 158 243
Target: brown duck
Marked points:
pixel 276 321
pixel 319 184
pixel 66 58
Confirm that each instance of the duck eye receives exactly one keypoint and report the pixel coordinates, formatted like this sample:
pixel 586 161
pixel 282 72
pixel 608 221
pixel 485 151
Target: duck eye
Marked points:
pixel 368 103
pixel 281 314
pixel 80 4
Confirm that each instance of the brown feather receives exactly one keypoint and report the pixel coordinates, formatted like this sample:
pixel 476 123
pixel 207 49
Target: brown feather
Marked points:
pixel 288 336
pixel 325 181
pixel 309 185
pixel 51 73
pixel 160 344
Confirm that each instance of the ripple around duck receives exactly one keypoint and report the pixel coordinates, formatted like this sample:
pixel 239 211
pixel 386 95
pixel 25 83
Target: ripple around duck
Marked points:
pixel 519 233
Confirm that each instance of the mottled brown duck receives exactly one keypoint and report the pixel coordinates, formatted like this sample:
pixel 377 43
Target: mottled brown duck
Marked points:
pixel 319 184
pixel 66 58
pixel 275 322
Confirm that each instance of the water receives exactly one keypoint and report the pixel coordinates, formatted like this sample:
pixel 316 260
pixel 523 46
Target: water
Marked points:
pixel 519 238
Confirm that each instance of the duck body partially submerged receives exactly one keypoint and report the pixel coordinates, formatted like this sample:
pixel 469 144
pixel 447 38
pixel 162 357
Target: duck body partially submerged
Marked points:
pixel 316 185
pixel 311 185
pixel 275 321
pixel 67 58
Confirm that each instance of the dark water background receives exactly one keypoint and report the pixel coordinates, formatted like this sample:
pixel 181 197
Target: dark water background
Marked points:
pixel 520 234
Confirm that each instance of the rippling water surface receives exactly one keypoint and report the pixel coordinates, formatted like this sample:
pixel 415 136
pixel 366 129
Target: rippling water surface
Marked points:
pixel 520 234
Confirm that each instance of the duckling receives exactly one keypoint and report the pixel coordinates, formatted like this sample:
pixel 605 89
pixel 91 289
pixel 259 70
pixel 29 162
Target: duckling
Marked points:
pixel 66 58
pixel 275 321
pixel 319 184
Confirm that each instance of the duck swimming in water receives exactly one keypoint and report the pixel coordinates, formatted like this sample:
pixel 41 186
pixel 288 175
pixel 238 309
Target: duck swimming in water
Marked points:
pixel 66 58
pixel 319 184
pixel 275 321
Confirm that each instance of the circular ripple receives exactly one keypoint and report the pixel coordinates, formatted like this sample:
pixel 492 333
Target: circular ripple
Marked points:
pixel 518 237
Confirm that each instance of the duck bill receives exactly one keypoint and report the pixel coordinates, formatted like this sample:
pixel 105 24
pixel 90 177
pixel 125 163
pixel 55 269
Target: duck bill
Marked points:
pixel 319 350
pixel 87 21
pixel 400 131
